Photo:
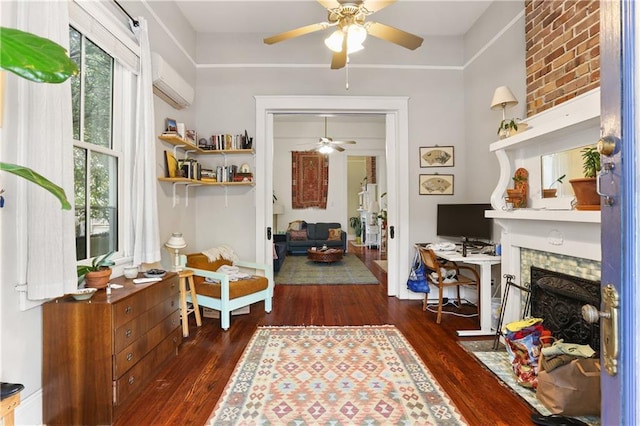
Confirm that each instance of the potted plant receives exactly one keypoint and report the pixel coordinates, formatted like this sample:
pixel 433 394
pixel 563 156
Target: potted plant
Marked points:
pixel 552 192
pixel 587 197
pixel 356 224
pixel 43 61
pixel 98 273
pixel 511 127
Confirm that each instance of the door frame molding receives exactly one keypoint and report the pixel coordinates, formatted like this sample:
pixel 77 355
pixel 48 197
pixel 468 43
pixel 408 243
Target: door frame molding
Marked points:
pixel 396 111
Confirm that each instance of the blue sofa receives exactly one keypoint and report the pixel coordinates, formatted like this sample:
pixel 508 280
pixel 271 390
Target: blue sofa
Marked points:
pixel 317 235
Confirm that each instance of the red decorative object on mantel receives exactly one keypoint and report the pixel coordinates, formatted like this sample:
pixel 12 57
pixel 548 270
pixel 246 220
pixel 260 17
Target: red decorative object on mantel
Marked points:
pixel 518 195
pixel 309 179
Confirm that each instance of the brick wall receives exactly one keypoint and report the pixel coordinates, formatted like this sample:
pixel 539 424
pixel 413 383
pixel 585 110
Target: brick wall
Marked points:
pixel 562 51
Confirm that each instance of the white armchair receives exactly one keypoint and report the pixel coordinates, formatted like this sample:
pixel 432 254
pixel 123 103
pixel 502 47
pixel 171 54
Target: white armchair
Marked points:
pixel 225 295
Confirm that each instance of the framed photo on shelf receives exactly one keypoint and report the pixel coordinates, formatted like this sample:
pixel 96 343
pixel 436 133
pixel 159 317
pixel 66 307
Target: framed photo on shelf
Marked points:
pixel 436 156
pixel 436 184
pixel 170 126
pixel 192 136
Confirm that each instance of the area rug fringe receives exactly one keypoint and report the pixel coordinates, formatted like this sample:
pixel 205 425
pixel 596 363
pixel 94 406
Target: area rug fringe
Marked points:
pixel 332 375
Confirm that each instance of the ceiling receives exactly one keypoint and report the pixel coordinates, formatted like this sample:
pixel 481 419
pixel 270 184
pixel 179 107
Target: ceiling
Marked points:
pixel 421 17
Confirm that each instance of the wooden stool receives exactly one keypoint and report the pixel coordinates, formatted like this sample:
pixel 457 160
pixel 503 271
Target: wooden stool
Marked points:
pixel 184 312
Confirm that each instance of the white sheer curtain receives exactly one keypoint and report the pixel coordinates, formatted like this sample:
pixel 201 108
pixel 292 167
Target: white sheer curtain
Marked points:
pixel 144 207
pixel 45 141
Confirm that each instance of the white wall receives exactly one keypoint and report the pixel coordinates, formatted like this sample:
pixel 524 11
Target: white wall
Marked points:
pixel 301 133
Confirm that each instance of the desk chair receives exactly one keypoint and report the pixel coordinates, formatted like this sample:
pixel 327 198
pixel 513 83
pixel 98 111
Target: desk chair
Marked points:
pixel 431 261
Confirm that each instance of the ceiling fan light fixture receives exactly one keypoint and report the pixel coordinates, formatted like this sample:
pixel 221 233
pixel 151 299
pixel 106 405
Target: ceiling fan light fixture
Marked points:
pixel 356 35
pixel 325 149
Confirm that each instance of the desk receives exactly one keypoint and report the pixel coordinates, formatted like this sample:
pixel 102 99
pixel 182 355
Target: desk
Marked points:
pixel 485 262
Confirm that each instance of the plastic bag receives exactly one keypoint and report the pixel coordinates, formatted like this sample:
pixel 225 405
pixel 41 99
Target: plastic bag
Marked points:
pixel 524 347
pixel 417 281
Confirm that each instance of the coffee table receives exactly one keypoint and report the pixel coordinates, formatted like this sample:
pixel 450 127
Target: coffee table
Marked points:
pixel 325 256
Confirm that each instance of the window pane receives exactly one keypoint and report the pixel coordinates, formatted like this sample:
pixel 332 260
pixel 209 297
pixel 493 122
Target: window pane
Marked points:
pixel 103 201
pixel 98 80
pixel 75 39
pixel 79 173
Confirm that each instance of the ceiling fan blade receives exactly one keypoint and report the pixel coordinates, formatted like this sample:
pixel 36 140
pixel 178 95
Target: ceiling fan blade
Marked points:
pixel 339 59
pixel 344 142
pixel 329 4
pixel 375 5
pixel 394 35
pixel 338 148
pixel 296 32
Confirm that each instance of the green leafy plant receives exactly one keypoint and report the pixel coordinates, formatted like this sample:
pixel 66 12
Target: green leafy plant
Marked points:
pixel 97 264
pixel 356 224
pixel 506 125
pixel 591 161
pixel 559 180
pixel 39 60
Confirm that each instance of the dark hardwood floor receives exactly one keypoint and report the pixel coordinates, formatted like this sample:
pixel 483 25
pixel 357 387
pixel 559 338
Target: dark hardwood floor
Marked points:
pixel 185 391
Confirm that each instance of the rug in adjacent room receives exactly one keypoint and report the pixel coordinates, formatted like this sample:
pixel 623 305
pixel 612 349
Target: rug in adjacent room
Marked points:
pixel 300 270
pixel 332 375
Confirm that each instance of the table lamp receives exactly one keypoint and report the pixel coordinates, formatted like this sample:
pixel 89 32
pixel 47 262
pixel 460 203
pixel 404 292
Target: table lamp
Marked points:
pixel 503 98
pixel 278 209
pixel 176 242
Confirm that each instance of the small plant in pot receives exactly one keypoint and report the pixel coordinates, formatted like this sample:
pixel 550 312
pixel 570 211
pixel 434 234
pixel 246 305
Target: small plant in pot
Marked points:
pixel 356 224
pixel 98 273
pixel 587 197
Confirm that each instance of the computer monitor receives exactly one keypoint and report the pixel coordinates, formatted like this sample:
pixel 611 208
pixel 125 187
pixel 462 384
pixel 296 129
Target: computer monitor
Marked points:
pixel 464 221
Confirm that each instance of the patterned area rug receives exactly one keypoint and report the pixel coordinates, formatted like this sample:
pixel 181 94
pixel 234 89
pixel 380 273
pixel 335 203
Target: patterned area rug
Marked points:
pixel 299 270
pixel 332 376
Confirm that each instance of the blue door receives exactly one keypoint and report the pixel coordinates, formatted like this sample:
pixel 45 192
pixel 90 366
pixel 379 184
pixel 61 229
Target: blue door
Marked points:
pixel 619 184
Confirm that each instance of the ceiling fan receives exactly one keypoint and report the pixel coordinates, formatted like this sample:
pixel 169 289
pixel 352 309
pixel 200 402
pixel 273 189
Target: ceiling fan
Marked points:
pixel 326 144
pixel 349 18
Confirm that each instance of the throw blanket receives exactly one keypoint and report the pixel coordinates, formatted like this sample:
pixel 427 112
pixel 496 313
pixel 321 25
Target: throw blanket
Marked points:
pixel 233 272
pixel 223 251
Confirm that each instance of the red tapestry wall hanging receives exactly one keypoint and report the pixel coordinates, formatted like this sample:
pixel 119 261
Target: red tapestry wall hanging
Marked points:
pixel 309 179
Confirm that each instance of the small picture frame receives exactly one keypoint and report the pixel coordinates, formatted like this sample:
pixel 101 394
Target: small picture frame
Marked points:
pixel 192 136
pixel 436 184
pixel 170 126
pixel 436 156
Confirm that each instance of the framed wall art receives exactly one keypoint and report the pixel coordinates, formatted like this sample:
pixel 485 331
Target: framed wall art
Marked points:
pixel 170 126
pixel 436 184
pixel 436 156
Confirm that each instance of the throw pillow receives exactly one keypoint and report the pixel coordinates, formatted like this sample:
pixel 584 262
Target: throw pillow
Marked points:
pixel 298 235
pixel 297 225
pixel 335 234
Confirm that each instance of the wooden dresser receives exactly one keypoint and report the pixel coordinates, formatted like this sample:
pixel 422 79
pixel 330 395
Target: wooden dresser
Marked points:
pixel 99 353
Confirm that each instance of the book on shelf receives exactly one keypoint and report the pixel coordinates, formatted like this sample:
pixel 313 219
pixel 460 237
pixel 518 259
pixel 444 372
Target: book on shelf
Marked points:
pixel 227 142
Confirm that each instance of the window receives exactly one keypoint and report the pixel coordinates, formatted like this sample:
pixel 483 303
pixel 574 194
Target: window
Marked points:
pixel 97 158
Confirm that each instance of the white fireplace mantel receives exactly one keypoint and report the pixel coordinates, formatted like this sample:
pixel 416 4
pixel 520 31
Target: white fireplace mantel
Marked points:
pixel 548 225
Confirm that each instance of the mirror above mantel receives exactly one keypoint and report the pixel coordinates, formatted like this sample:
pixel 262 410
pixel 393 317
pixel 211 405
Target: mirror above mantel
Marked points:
pixel 566 163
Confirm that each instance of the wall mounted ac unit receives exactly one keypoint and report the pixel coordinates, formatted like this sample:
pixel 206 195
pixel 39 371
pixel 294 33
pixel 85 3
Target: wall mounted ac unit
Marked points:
pixel 168 84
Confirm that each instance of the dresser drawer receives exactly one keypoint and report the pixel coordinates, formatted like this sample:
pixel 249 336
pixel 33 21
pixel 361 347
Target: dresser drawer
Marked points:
pixel 130 383
pixel 127 309
pixel 133 353
pixel 133 330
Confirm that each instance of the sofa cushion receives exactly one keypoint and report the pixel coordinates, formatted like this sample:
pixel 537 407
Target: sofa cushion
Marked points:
pixel 335 234
pixel 321 230
pixel 297 225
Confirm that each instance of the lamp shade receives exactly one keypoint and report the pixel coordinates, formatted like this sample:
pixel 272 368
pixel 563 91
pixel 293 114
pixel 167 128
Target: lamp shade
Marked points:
pixel 278 208
pixel 503 98
pixel 176 241
pixel 356 34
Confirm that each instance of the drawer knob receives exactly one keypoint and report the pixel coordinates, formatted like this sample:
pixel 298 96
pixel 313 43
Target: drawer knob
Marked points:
pixel 175 340
pixel 128 332
pixel 131 380
pixel 129 356
pixel 127 310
